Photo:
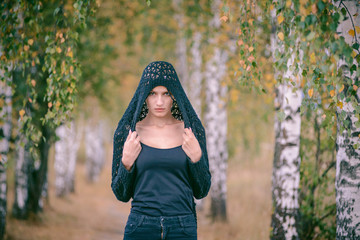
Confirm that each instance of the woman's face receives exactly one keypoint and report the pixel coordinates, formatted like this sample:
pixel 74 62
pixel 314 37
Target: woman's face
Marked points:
pixel 159 102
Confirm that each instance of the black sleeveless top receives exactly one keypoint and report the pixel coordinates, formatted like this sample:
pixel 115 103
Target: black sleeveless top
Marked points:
pixel 162 183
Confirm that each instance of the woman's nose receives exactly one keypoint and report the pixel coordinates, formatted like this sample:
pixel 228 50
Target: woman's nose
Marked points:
pixel 159 100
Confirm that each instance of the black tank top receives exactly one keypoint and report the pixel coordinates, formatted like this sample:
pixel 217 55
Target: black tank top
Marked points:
pixel 162 184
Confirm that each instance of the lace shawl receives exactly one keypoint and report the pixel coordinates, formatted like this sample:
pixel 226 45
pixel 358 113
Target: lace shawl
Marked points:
pixel 158 74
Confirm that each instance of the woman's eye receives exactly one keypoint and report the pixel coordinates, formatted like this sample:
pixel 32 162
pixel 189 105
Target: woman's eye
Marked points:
pixel 151 93
pixel 167 94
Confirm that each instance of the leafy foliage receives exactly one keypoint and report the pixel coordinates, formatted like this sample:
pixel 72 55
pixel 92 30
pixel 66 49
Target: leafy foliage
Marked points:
pixel 38 40
pixel 309 28
pixel 317 170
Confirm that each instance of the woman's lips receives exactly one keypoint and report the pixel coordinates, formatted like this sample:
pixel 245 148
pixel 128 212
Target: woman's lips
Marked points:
pixel 159 109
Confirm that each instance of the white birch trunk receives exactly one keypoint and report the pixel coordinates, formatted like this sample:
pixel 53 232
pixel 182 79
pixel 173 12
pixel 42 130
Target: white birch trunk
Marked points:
pixel 348 158
pixel 286 166
pixel 95 150
pixel 5 133
pixel 196 74
pixel 181 48
pixel 216 120
pixel 195 86
pixel 65 158
pixel 23 161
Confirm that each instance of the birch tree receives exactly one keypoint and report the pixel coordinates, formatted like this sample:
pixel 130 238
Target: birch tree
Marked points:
pixel 95 150
pixel 196 75
pixel 5 134
pixel 22 169
pixel 181 45
pixel 216 117
pixel 286 166
pixel 347 143
pixel 66 149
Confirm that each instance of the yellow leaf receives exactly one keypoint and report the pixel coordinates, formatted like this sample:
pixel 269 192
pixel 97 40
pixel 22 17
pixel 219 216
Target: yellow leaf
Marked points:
pixel 57 105
pixel 314 9
pixel 71 69
pixel 33 83
pixel 340 105
pixel 31 42
pixel 224 18
pixel 70 54
pixel 332 93
pixel 251 58
pixel 353 54
pixel 312 58
pixel 271 7
pixel 240 42
pixel 21 113
pixel 355 87
pixel 351 32
pixel 311 92
pixel 341 89
pixel 58 50
pixel 357 28
pixel 251 49
pixel 288 3
pixel 248 68
pixel 26 47
pixel 280 19
pixel 49 104
pixel 303 82
pixel 281 36
pixel 30 100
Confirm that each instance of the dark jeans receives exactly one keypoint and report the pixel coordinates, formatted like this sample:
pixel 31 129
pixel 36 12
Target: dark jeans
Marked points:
pixel 143 227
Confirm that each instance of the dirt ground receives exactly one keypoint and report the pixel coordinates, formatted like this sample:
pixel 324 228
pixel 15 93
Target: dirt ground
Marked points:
pixel 93 212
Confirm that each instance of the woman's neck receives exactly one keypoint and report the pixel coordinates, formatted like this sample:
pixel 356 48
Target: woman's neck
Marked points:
pixel 152 120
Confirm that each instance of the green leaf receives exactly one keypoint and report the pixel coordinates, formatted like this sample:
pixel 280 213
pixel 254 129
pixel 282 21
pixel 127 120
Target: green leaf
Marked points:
pixel 355 46
pixel 310 36
pixel 320 5
pixel 343 11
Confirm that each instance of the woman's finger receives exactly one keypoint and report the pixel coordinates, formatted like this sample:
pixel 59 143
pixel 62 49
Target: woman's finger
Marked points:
pixel 133 135
pixel 128 136
pixel 187 131
pixel 185 137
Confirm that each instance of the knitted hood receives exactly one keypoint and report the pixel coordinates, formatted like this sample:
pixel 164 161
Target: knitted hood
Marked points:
pixel 156 74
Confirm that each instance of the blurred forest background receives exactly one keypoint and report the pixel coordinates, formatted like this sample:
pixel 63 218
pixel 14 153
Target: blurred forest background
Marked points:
pixel 276 84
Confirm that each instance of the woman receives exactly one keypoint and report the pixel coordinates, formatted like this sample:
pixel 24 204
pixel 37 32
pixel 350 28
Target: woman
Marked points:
pixel 160 158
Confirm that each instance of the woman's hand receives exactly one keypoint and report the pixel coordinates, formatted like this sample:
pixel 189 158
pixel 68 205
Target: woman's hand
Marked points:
pixel 131 150
pixel 191 145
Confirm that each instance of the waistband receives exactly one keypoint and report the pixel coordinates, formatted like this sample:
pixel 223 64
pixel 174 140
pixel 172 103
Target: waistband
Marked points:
pixel 183 220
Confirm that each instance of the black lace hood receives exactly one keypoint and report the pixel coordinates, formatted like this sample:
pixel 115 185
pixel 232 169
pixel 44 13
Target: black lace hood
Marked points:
pixel 156 74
